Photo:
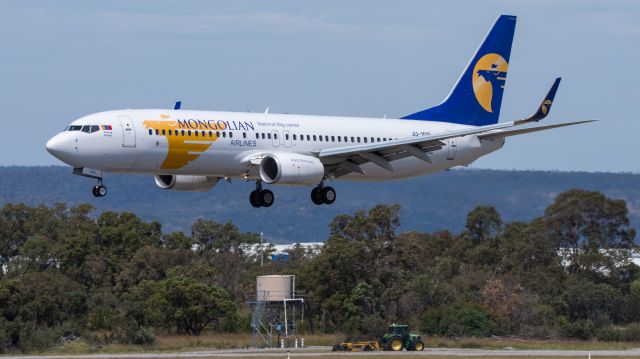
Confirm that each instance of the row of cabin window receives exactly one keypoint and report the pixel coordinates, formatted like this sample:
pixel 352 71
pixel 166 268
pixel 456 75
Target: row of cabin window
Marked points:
pixel 269 136
pixel 189 132
pixel 327 138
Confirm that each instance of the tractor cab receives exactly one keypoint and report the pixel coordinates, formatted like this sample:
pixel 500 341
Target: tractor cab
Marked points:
pixel 399 329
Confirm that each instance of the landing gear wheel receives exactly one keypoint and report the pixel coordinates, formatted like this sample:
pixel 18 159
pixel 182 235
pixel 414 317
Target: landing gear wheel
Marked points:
pixel 255 199
pixel 315 196
pixel 99 191
pixel 267 198
pixel 328 195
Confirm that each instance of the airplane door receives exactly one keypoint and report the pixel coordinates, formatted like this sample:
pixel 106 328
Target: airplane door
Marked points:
pixel 287 139
pixel 452 148
pixel 128 131
pixel 275 139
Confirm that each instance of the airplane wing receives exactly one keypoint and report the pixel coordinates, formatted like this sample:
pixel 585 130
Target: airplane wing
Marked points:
pixel 340 161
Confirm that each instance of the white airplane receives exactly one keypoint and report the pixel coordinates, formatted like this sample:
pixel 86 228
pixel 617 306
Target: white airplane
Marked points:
pixel 192 150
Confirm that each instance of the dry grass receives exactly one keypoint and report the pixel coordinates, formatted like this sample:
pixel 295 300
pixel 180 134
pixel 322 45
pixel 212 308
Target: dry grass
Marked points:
pixel 175 343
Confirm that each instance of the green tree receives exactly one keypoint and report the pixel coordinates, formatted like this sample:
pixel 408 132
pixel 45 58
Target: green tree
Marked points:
pixel 483 223
pixel 583 223
pixel 188 304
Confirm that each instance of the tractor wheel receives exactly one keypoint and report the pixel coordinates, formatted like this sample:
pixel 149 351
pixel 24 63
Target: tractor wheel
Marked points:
pixel 419 346
pixel 396 344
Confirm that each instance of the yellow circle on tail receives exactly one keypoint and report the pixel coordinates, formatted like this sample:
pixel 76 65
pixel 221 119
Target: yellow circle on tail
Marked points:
pixel 489 65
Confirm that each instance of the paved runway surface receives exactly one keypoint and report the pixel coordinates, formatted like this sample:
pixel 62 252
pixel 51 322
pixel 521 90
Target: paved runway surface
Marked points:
pixel 326 352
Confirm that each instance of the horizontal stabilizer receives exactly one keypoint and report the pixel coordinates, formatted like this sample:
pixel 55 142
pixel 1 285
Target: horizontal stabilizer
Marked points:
pixel 502 134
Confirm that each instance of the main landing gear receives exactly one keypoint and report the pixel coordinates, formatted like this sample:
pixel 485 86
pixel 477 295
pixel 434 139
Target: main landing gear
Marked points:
pixel 261 197
pixel 323 195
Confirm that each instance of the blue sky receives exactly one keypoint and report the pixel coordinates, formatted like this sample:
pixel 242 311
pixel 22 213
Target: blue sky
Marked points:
pixel 65 59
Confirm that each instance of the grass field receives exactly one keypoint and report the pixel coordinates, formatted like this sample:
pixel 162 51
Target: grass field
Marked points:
pixel 172 343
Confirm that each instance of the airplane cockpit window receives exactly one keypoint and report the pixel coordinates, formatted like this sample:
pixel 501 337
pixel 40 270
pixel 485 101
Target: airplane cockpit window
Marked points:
pixel 95 128
pixel 75 128
pixel 66 128
pixel 86 128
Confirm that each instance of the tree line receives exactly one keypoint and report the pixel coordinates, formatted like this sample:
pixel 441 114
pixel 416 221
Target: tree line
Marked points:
pixel 66 273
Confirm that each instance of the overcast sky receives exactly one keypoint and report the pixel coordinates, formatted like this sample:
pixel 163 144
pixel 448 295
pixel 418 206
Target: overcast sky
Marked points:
pixel 61 60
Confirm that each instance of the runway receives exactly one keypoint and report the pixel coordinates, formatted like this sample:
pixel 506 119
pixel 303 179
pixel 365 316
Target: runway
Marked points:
pixel 322 352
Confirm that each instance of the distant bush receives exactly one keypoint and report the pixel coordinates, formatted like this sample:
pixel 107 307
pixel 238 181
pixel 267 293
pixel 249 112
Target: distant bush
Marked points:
pixel 459 320
pixel 630 333
pixel 131 332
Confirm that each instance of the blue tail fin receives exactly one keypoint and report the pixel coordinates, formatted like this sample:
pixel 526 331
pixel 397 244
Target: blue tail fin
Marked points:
pixel 476 97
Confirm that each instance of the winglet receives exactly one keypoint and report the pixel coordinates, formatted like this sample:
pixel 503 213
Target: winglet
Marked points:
pixel 545 106
pixel 177 105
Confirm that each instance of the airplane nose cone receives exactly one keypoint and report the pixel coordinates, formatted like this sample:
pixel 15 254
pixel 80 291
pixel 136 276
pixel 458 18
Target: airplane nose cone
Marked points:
pixel 61 148
pixel 55 146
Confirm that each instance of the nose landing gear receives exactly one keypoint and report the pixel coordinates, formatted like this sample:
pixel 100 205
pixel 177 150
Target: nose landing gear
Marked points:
pixel 323 195
pixel 261 197
pixel 99 190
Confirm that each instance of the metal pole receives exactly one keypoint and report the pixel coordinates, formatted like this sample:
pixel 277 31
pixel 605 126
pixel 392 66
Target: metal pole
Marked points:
pixel 261 250
pixel 286 323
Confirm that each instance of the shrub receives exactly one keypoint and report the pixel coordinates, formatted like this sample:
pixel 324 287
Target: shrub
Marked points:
pixel 130 332
pixel 459 320
pixel 630 333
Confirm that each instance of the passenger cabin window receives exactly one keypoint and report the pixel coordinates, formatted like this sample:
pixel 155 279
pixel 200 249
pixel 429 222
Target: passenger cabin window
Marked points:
pixel 164 132
pixel 230 134
pixel 294 137
pixel 275 136
pixel 170 132
pixel 314 138
pixel 244 135
pixel 320 138
pixel 286 136
pixel 268 135
pixel 257 136
pixel 308 137
pixel 262 136
pixel 224 134
pixel 365 140
pixel 150 132
pixel 189 133
pixel 333 138
pixel 157 132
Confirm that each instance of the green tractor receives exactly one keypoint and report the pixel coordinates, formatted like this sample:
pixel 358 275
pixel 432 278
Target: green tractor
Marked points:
pixel 399 338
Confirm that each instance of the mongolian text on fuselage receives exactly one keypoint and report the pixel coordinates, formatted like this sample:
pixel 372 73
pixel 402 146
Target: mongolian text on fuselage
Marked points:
pixel 195 124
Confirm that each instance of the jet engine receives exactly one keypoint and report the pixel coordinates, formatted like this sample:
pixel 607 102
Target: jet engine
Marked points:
pixel 186 183
pixel 291 168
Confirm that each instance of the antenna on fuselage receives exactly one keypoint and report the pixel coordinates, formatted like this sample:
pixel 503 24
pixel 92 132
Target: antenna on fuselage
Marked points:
pixel 177 105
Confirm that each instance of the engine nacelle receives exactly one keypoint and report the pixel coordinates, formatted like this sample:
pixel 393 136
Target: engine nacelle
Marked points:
pixel 186 183
pixel 291 168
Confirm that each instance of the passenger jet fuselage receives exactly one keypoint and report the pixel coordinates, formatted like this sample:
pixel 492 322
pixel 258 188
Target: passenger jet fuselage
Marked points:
pixel 192 150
